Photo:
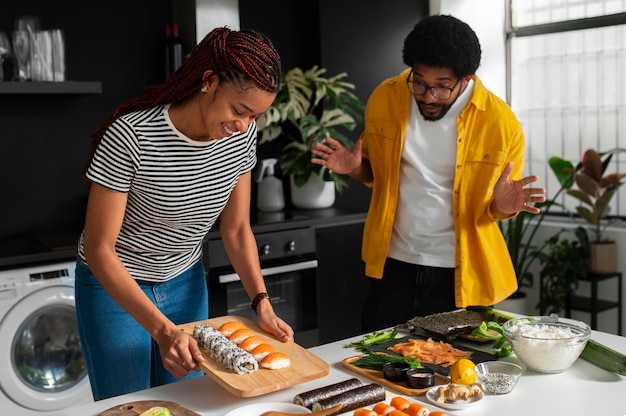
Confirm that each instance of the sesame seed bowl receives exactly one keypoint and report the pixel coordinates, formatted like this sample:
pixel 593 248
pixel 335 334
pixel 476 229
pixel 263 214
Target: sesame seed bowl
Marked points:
pixel 497 377
pixel 547 344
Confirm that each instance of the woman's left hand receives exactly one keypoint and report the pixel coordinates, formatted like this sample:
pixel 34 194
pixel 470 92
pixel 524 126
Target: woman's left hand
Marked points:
pixel 512 196
pixel 272 324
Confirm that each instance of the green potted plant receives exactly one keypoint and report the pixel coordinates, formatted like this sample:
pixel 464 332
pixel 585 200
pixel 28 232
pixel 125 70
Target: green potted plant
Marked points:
pixel 308 108
pixel 564 263
pixel 595 191
pixel 519 233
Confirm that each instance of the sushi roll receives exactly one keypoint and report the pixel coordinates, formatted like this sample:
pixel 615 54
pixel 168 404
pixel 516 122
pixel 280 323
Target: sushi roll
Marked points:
pixel 307 398
pixel 225 351
pixel 353 399
pixel 417 409
pixel 229 327
pixel 361 411
pixel 400 403
pixel 252 342
pixel 239 335
pixel 383 409
pixel 275 361
pixel 261 351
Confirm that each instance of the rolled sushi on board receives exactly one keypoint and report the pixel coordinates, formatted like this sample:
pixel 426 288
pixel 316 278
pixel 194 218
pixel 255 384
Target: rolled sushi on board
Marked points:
pixel 224 351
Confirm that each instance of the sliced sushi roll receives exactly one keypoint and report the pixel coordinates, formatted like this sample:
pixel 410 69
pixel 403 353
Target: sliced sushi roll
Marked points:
pixel 239 335
pixel 261 351
pixel 225 351
pixel 275 361
pixel 251 343
pixel 229 327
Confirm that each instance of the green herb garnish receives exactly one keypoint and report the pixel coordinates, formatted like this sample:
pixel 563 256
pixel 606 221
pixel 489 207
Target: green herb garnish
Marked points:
pixel 376 361
pixel 378 337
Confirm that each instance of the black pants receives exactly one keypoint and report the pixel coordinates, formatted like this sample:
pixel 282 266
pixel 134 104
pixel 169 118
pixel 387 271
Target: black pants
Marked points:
pixel 406 291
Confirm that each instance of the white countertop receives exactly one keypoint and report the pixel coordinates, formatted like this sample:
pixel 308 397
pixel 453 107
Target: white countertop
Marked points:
pixel 583 389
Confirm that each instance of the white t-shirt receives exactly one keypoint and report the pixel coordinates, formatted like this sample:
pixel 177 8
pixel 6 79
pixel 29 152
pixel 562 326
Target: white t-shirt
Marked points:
pixel 423 231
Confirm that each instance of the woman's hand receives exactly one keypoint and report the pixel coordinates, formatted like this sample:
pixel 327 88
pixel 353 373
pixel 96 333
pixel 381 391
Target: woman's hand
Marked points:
pixel 511 196
pixel 180 353
pixel 336 157
pixel 272 324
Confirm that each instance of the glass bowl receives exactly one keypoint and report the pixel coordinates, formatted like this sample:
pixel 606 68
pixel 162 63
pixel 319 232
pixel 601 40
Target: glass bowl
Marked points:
pixel 547 344
pixel 497 377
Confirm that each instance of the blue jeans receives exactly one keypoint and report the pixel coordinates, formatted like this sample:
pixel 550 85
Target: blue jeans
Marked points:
pixel 120 355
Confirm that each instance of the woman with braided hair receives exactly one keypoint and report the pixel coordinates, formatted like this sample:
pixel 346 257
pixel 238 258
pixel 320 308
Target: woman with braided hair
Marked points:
pixel 164 166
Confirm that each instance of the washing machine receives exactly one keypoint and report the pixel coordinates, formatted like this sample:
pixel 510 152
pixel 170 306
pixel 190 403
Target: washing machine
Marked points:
pixel 43 368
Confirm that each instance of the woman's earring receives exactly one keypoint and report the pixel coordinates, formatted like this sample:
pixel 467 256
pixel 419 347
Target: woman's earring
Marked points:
pixel 204 89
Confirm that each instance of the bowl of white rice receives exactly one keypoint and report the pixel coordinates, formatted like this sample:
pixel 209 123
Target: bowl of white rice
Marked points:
pixel 547 344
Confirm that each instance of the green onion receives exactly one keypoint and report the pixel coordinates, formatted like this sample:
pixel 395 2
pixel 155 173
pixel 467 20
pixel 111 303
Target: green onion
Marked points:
pixel 376 361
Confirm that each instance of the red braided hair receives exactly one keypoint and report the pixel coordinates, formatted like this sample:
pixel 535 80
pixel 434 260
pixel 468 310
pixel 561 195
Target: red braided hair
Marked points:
pixel 235 56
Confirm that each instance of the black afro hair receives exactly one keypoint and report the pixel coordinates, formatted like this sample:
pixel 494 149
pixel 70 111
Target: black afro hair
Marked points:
pixel 443 42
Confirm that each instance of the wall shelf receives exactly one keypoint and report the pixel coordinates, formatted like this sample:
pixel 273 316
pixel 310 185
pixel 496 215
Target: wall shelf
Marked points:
pixel 67 87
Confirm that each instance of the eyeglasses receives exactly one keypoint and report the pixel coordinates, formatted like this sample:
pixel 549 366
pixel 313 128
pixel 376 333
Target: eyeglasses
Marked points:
pixel 438 93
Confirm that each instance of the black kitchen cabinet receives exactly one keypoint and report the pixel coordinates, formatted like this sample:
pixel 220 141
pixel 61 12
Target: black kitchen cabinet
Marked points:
pixel 341 281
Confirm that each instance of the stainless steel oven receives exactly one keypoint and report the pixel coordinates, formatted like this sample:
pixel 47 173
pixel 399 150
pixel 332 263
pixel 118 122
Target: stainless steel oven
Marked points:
pixel 289 266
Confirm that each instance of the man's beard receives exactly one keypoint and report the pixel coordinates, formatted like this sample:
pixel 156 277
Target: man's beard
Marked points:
pixel 444 110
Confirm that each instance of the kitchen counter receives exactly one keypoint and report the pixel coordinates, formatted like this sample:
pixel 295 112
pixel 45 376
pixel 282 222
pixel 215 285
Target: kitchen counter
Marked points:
pixel 583 389
pixel 25 250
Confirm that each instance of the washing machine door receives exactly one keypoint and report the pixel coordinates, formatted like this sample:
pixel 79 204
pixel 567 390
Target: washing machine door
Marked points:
pixel 40 353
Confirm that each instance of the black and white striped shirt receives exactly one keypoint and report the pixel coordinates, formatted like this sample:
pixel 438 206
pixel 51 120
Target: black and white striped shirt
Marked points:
pixel 176 188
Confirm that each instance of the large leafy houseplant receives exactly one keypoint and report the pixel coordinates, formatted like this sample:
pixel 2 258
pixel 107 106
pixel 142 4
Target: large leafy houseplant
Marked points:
pixel 595 190
pixel 308 108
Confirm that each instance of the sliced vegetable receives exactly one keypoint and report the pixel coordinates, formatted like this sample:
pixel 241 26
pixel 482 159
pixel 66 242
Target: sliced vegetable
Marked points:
pixel 376 361
pixel 604 357
pixel 378 337
pixel 157 411
pixel 494 332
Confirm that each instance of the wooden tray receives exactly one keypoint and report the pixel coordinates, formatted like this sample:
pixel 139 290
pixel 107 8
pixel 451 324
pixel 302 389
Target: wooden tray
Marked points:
pixel 136 408
pixel 305 366
pixel 378 377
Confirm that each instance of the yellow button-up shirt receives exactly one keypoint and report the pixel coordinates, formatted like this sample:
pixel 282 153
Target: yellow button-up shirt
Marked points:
pixel 488 137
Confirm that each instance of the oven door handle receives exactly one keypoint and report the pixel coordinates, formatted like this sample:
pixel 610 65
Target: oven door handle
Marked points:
pixel 270 271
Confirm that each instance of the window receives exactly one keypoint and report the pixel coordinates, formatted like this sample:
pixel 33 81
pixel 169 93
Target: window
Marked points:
pixel 567 61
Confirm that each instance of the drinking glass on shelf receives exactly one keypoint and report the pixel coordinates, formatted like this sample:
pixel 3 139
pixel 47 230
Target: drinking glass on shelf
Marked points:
pixel 21 46
pixel 5 52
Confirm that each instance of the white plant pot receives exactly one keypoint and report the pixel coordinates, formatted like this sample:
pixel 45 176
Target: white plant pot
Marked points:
pixel 314 194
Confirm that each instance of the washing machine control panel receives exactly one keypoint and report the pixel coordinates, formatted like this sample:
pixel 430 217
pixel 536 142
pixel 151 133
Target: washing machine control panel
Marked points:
pixel 35 274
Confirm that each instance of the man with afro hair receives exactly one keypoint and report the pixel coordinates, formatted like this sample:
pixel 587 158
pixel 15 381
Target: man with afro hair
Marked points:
pixel 444 157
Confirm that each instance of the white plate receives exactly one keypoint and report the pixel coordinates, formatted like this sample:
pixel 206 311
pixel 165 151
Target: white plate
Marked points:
pixel 258 408
pixel 451 405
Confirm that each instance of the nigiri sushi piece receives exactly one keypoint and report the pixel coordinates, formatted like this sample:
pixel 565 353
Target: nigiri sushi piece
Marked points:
pixel 229 327
pixel 261 351
pixel 239 335
pixel 250 343
pixel 275 361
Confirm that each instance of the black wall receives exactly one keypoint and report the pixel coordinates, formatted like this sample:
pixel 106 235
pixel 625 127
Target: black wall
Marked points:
pixel 44 139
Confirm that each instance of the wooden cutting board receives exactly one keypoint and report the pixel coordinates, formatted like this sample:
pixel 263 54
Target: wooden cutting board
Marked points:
pixel 136 408
pixel 378 377
pixel 305 366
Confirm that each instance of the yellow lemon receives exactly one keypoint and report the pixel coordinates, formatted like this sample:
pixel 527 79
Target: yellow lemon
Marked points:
pixel 462 372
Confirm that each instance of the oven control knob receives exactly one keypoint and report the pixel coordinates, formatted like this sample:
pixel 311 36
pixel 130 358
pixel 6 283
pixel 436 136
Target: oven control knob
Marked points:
pixel 264 249
pixel 291 246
